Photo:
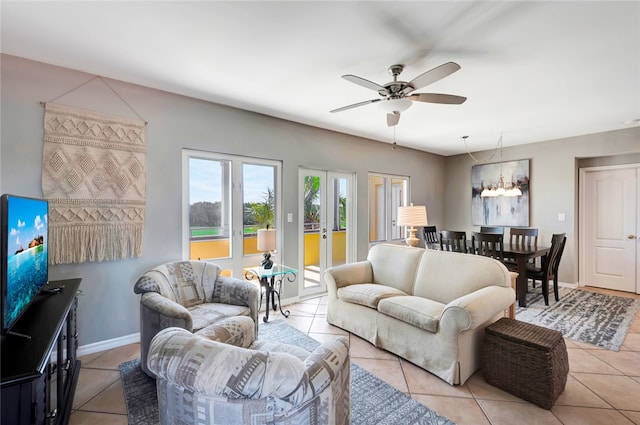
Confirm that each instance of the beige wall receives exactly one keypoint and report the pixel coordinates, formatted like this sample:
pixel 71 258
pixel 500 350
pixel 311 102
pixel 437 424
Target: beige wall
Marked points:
pixel 554 183
pixel 109 308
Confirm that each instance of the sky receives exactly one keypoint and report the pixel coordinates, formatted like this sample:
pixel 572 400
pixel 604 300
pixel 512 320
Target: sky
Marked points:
pixel 26 219
pixel 205 178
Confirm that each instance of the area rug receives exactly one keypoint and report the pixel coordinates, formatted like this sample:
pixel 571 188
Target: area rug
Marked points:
pixel 373 401
pixel 583 316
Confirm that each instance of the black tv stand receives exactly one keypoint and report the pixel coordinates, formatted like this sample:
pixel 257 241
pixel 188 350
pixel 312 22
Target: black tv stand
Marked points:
pixel 32 377
pixel 12 333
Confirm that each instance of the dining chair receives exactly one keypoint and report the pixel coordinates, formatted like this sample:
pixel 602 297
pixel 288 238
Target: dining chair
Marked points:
pixel 430 237
pixel 550 266
pixel 488 244
pixel 451 240
pixel 492 229
pixel 522 236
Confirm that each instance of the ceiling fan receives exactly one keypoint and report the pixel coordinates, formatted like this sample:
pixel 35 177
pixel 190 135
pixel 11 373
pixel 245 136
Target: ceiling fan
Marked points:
pixel 397 95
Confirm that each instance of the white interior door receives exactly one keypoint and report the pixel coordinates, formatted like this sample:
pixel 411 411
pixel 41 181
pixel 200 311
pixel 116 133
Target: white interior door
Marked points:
pixel 610 228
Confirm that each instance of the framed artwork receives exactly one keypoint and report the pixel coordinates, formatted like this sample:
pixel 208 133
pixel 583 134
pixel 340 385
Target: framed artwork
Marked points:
pixel 500 210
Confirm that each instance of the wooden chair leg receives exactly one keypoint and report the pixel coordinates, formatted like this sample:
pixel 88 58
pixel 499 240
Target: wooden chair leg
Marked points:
pixel 555 288
pixel 545 291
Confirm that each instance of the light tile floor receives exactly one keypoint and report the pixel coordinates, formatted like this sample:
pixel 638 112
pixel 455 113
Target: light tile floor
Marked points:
pixel 603 386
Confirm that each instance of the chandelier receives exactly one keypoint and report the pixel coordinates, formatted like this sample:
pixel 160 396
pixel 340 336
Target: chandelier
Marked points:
pixel 502 189
pixel 509 188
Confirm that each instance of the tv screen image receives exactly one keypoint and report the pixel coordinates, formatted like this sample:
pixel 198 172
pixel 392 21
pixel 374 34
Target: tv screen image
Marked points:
pixel 24 254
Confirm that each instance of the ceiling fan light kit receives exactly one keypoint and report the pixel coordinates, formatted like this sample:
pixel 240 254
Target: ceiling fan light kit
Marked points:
pixel 395 105
pixel 397 96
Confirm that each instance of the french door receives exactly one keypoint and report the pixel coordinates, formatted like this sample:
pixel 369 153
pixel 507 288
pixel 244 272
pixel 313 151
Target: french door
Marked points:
pixel 226 198
pixel 327 229
pixel 386 194
pixel 610 227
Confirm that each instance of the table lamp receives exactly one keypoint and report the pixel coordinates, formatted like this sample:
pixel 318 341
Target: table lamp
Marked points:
pixel 412 216
pixel 267 243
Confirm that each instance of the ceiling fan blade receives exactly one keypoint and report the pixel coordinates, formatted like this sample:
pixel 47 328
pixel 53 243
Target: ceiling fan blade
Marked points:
pixel 355 105
pixel 393 118
pixel 366 83
pixel 431 76
pixel 448 99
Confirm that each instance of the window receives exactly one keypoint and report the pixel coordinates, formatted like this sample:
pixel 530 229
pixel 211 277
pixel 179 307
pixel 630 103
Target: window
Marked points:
pixel 226 200
pixel 386 194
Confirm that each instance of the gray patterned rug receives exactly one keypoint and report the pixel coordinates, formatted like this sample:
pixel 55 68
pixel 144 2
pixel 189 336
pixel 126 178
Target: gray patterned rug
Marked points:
pixel 373 401
pixel 583 316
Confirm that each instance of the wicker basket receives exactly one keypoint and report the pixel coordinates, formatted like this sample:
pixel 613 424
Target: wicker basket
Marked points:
pixel 525 360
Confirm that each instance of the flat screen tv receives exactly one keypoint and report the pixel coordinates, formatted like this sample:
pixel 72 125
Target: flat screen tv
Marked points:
pixel 24 255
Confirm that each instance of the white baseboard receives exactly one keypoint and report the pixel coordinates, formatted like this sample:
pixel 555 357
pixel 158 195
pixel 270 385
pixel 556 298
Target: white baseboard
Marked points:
pixel 568 285
pixel 108 344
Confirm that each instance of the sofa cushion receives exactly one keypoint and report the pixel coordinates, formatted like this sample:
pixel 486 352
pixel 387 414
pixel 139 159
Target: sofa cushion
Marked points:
pixel 419 312
pixel 395 265
pixel 367 294
pixel 236 330
pixel 444 276
pixel 208 313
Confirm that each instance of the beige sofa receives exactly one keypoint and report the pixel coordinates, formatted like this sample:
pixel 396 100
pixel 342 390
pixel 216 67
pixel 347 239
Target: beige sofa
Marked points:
pixel 429 307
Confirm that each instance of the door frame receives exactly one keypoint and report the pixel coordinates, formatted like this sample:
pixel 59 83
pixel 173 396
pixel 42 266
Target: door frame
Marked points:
pixel 582 218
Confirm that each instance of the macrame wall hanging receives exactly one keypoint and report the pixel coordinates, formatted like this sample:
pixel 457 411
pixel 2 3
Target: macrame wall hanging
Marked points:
pixel 94 177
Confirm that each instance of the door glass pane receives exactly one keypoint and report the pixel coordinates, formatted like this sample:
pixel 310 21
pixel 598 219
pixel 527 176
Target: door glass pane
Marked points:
pixel 209 208
pixel 397 197
pixel 339 227
pixel 258 182
pixel 377 209
pixel 312 231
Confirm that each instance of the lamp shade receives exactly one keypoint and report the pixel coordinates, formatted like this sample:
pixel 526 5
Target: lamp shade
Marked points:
pixel 412 215
pixel 266 239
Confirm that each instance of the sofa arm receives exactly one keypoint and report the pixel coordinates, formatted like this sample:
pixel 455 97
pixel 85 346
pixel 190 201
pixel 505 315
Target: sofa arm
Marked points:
pixel 478 307
pixel 152 281
pixel 347 274
pixel 332 358
pixel 230 290
pixel 157 313
pixel 165 311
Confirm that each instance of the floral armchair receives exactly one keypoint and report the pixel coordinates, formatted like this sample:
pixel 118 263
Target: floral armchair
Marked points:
pixel 201 380
pixel 191 295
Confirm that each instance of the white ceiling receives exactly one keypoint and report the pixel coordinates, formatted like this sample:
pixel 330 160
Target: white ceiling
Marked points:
pixel 532 71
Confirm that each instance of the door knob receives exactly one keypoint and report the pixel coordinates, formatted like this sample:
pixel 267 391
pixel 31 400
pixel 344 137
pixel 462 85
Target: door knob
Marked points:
pixel 631 237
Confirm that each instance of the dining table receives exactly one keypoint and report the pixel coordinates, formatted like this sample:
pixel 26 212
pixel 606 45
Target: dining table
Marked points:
pixel 521 254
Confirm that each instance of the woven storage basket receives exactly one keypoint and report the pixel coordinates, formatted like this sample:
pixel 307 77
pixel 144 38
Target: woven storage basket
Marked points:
pixel 525 360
